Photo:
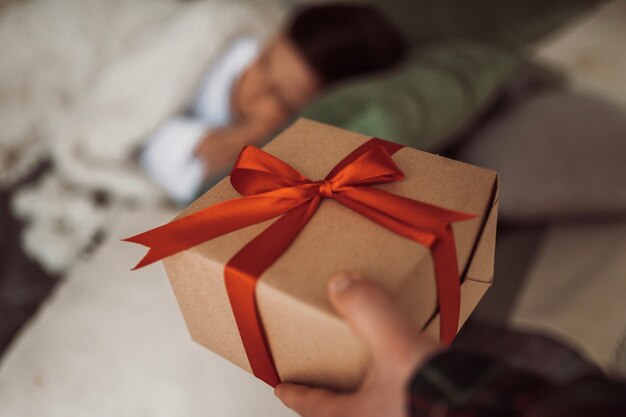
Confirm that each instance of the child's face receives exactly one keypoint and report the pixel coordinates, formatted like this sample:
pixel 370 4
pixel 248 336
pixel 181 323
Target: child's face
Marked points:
pixel 277 84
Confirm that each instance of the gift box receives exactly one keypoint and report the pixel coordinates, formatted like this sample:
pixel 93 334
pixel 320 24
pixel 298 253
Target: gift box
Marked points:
pixel 275 318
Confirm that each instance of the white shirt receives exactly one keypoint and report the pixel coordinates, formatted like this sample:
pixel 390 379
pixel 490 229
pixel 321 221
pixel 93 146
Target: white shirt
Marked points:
pixel 168 157
pixel 213 103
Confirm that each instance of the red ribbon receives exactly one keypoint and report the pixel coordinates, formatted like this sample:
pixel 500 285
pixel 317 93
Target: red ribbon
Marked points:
pixel 271 188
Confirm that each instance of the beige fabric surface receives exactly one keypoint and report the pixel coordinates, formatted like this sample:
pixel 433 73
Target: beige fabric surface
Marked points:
pixel 576 290
pixel 591 52
pixel 559 155
pixel 113 343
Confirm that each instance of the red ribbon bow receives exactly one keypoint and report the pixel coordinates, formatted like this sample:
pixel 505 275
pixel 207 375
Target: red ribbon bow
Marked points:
pixel 271 188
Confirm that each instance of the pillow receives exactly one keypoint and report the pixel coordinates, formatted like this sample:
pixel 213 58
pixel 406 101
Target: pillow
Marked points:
pixel 559 156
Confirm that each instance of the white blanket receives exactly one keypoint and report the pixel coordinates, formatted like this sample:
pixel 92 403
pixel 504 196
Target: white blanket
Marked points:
pixel 83 82
pixel 111 342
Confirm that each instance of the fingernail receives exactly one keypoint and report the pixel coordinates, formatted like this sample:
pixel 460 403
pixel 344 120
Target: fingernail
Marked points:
pixel 341 282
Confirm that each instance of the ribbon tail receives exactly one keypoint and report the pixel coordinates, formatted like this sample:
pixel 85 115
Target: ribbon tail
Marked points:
pixel 209 223
pixel 390 148
pixel 425 236
pixel 448 285
pixel 241 275
pixel 409 211
pixel 150 257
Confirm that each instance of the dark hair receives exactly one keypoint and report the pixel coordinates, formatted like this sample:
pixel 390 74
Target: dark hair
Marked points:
pixel 344 40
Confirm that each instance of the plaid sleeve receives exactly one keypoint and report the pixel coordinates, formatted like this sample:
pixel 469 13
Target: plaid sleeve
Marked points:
pixel 464 384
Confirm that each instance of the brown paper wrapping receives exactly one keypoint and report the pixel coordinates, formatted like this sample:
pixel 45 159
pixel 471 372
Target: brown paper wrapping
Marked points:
pixel 309 342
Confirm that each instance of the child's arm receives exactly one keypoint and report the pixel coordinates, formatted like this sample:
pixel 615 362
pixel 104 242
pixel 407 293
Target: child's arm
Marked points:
pixel 219 148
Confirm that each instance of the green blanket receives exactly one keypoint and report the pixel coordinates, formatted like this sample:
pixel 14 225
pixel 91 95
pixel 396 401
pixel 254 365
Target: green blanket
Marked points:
pixel 427 101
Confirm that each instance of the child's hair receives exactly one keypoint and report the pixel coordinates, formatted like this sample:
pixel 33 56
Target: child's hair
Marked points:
pixel 344 40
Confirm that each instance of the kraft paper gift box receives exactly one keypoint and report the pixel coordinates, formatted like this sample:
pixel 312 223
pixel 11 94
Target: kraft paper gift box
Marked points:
pixel 309 343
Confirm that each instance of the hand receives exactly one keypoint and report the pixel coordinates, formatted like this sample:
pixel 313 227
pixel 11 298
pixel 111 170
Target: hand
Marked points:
pixel 219 149
pixel 396 349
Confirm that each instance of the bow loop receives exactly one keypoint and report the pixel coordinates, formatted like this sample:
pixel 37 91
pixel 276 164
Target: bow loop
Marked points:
pixel 373 166
pixel 257 172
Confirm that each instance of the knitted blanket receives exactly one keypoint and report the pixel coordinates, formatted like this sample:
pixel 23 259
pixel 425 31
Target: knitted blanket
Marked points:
pixel 82 83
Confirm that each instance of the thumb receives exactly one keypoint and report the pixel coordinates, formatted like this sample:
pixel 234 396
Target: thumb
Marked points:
pixel 372 316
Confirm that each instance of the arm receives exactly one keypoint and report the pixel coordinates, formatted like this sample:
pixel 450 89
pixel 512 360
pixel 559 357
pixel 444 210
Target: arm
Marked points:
pixel 219 148
pixel 411 374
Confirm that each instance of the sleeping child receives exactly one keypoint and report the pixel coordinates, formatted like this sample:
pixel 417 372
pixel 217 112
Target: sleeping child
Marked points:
pixel 251 89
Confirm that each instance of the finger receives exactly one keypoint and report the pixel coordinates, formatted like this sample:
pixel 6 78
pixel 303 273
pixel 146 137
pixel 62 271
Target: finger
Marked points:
pixel 373 316
pixel 310 402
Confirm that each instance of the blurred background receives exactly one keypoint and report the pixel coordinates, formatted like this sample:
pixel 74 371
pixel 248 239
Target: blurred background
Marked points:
pixel 115 114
